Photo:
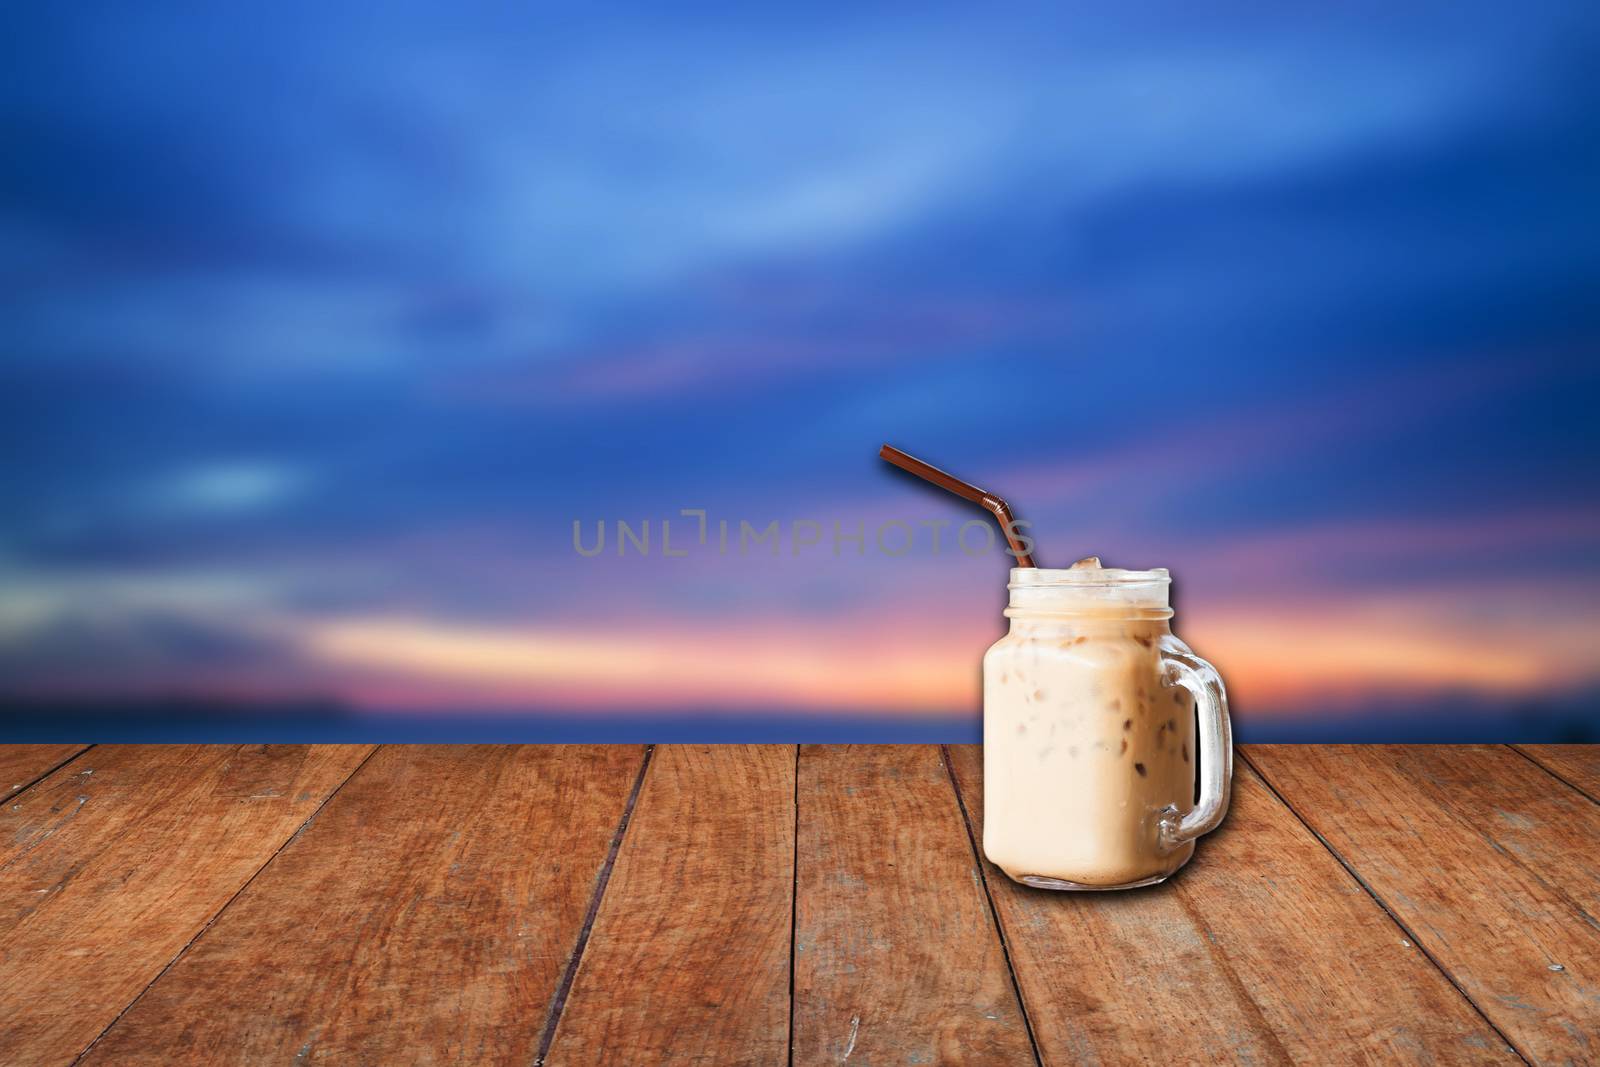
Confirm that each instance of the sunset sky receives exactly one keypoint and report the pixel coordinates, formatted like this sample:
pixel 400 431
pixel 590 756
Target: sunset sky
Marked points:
pixel 323 327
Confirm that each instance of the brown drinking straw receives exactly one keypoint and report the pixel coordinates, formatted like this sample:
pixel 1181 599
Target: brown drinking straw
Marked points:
pixel 990 503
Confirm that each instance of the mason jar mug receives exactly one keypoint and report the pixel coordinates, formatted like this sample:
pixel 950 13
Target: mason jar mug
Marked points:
pixel 1106 744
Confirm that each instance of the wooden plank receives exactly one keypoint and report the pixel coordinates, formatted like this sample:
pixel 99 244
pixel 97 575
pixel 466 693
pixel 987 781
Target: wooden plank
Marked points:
pixel 110 866
pixel 426 917
pixel 1577 765
pixel 897 959
pixel 1485 857
pixel 22 765
pixel 1262 950
pixel 689 959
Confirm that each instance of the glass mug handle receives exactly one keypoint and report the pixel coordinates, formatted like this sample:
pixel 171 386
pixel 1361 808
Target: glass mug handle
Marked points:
pixel 1182 667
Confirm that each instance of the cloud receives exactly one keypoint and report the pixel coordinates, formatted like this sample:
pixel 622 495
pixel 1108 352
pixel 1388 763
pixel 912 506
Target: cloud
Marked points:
pixel 90 648
pixel 1481 637
pixel 226 488
pixel 767 665
pixel 1484 637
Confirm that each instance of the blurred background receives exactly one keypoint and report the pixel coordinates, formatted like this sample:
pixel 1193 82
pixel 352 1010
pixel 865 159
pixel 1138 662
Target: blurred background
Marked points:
pixel 323 327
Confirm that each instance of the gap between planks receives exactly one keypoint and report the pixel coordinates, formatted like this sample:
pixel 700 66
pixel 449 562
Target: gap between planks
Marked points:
pixel 794 904
pixel 1522 750
pixel 558 1003
pixel 209 923
pixel 47 772
pixel 1381 903
pixel 994 914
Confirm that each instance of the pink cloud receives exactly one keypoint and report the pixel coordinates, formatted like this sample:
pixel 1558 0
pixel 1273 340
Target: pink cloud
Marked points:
pixel 1501 638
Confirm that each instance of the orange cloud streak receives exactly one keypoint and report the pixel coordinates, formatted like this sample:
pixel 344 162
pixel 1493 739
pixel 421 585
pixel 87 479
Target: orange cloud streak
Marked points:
pixel 641 669
pixel 1273 654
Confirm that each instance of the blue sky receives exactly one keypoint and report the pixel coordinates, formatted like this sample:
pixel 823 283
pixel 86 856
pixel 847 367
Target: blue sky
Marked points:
pixel 322 327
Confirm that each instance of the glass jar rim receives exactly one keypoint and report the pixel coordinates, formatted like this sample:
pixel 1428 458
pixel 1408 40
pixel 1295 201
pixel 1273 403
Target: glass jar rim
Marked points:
pixel 1109 592
pixel 1087 577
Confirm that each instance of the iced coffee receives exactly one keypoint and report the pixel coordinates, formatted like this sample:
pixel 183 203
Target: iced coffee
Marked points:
pixel 1090 733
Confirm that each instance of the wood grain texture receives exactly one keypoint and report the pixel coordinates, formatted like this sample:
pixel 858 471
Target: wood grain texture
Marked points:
pixel 110 866
pixel 1262 950
pixel 1578 765
pixel 425 917
pixel 897 959
pixel 1490 862
pixel 23 764
pixel 689 959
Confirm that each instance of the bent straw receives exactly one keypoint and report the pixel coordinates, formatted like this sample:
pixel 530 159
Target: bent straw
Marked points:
pixel 989 502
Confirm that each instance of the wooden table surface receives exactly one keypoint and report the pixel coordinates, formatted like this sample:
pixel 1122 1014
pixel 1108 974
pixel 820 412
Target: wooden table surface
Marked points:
pixel 728 904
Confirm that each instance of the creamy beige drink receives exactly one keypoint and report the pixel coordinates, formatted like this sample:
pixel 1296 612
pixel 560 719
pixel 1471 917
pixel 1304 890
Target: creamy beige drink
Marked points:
pixel 1089 732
